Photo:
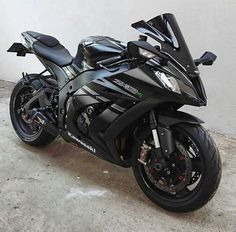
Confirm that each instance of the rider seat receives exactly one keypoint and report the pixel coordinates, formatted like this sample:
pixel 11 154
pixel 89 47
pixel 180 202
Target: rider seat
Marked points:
pixel 50 49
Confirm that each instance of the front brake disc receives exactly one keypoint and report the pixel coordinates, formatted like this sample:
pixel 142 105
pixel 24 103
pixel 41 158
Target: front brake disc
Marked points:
pixel 161 183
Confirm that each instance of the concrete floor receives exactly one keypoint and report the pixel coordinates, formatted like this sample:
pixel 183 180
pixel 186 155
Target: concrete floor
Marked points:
pixel 63 188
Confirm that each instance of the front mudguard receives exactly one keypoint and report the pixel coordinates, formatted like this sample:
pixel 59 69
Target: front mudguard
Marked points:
pixel 168 119
pixel 172 118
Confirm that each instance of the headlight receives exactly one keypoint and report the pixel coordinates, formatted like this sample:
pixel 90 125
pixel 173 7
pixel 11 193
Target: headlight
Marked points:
pixel 146 53
pixel 168 81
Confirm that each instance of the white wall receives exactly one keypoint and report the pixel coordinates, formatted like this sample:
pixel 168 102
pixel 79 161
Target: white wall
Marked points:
pixel 206 24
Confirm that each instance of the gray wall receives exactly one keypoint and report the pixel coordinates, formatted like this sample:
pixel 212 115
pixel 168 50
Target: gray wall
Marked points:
pixel 206 24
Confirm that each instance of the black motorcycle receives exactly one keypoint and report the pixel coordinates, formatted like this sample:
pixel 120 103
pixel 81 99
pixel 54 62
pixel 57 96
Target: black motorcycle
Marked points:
pixel 121 102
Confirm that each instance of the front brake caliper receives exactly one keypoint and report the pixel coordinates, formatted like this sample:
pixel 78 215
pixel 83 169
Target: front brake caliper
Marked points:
pixel 144 154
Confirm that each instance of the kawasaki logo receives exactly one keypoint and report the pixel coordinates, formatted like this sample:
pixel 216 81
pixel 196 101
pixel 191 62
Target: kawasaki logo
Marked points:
pixel 82 143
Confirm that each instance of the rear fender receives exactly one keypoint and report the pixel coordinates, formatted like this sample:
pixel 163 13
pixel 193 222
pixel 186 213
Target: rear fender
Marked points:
pixel 19 49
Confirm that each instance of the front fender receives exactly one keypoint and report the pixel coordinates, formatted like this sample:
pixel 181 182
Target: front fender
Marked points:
pixel 168 119
pixel 176 117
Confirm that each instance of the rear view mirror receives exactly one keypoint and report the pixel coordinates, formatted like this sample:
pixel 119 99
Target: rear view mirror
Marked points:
pixel 207 58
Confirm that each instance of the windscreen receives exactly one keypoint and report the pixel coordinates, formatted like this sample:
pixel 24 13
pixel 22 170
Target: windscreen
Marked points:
pixel 164 29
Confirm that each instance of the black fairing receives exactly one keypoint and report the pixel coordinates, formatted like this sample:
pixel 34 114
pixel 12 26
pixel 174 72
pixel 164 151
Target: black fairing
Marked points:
pixel 164 29
pixel 122 99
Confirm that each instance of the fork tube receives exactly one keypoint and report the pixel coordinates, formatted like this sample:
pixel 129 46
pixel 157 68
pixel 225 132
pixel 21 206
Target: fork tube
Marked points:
pixel 153 126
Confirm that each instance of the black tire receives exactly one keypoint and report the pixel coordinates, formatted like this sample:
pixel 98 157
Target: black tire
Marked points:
pixel 210 178
pixel 41 137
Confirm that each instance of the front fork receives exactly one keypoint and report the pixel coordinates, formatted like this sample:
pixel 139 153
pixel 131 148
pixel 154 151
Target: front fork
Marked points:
pixel 163 140
pixel 153 127
pixel 162 136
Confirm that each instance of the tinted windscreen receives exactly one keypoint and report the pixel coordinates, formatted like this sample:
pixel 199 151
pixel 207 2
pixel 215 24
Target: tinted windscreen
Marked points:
pixel 164 29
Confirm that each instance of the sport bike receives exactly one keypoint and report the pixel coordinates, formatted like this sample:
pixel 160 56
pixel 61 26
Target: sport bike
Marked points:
pixel 121 102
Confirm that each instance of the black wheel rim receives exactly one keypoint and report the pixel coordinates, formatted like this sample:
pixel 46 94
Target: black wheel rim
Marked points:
pixel 24 128
pixel 193 184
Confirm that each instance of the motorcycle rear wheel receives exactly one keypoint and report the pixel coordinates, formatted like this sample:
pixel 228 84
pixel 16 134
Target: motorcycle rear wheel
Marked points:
pixel 205 170
pixel 27 132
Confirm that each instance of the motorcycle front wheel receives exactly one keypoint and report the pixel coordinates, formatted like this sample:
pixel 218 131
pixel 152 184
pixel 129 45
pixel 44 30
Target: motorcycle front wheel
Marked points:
pixel 188 178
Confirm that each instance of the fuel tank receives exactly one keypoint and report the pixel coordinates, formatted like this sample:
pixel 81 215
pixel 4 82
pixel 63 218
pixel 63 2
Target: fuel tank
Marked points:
pixel 95 48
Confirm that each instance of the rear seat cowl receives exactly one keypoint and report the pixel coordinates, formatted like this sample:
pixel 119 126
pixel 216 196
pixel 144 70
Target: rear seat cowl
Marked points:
pixel 48 40
pixel 45 39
